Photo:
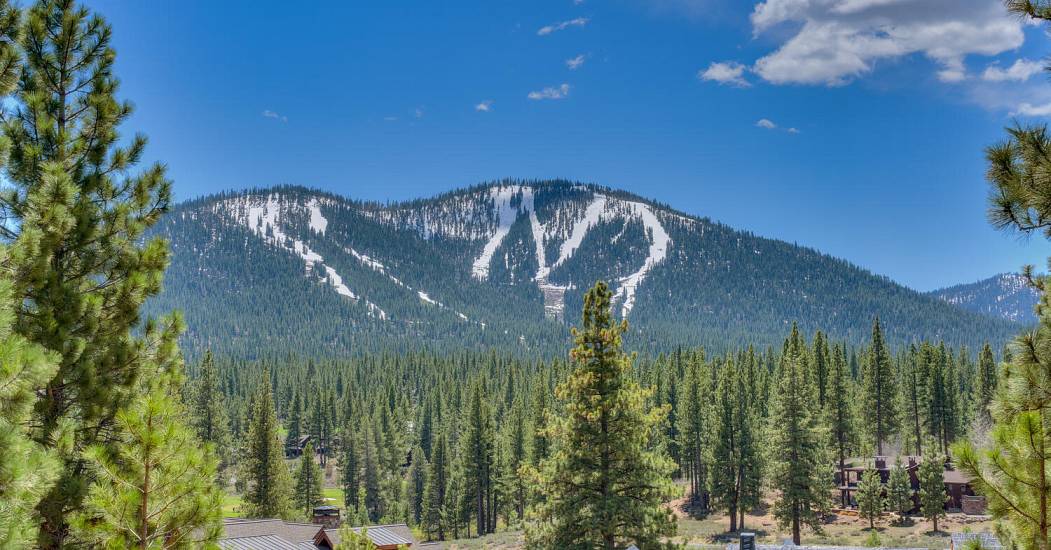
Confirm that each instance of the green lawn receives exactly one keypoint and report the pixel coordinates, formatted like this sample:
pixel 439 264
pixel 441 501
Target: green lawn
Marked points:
pixel 231 501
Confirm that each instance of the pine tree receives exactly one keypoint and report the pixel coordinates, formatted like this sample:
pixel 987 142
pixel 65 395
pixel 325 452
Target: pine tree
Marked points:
pixel 350 466
pixel 870 497
pixel 798 456
pixel 478 453
pixel 27 469
pixel 294 429
pixel 899 491
pixel 73 199
pixel 985 383
pixel 695 432
pixel 839 412
pixel 208 415
pixel 308 483
pixel 416 480
pixel 269 485
pixel 932 489
pixel 156 489
pixel 370 478
pixel 434 492
pixel 879 391
pixel 604 485
pixel 350 539
pixel 725 452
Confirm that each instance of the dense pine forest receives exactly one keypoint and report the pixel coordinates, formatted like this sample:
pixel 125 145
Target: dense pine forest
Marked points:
pixel 113 436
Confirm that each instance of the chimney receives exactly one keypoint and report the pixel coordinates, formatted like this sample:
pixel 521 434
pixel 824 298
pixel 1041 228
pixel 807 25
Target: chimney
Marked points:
pixel 326 516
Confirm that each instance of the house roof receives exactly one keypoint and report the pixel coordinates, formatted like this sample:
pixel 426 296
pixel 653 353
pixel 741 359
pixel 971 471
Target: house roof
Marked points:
pixel 292 532
pixel 383 536
pixel 956 477
pixel 263 542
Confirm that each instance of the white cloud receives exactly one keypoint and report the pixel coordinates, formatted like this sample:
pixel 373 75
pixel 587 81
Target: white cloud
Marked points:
pixel 578 22
pixel 793 130
pixel 418 113
pixel 271 114
pixel 575 63
pixel 766 123
pixel 550 92
pixel 485 106
pixel 728 72
pixel 1028 109
pixel 834 41
pixel 1020 71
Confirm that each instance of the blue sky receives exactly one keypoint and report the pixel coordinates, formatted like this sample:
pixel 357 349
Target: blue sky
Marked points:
pixel 852 126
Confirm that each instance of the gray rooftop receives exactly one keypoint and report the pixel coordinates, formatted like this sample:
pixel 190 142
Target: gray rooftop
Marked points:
pixel 264 542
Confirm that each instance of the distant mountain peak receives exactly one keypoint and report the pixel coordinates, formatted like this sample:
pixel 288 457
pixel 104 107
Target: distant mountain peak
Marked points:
pixel 1004 295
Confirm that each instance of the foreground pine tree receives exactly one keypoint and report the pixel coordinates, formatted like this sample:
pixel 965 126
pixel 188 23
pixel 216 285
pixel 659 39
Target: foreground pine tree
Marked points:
pixel 798 458
pixel 269 485
pixel 879 392
pixel 899 491
pixel 208 414
pixel 156 488
pixel 604 485
pixel 77 206
pixel 27 469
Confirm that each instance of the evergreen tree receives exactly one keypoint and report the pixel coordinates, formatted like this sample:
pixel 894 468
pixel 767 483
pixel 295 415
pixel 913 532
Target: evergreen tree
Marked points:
pixel 478 453
pixel 269 485
pixel 899 491
pixel 879 391
pixel 156 488
pixel 932 489
pixel 695 432
pixel 726 451
pixel 208 415
pixel 839 413
pixel 985 383
pixel 416 482
pixel 604 485
pixel 350 466
pixel 27 469
pixel 73 199
pixel 870 497
pixel 798 456
pixel 294 429
pixel 434 492
pixel 308 483
pixel 370 478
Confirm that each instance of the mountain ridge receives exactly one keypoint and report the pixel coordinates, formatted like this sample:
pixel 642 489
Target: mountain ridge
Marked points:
pixel 500 264
pixel 1004 295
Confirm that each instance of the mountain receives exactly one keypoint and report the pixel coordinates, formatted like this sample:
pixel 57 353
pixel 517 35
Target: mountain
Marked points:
pixel 292 270
pixel 1005 296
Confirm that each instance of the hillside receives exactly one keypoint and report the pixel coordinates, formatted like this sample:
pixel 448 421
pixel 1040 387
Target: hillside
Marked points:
pixel 294 270
pixel 1005 296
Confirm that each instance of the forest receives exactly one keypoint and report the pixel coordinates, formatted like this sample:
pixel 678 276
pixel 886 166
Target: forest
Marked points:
pixel 110 438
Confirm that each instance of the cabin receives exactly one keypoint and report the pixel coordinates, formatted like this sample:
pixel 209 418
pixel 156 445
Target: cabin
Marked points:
pixel 295 449
pixel 961 496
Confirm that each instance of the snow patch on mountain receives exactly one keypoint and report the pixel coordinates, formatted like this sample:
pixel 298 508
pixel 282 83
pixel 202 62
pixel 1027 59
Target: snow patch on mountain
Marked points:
pixel 659 244
pixel 262 216
pixel 506 214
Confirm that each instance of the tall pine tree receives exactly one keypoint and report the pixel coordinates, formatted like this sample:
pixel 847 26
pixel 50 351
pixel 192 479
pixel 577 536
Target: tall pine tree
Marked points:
pixel 74 200
pixel 269 485
pixel 604 485
pixel 879 392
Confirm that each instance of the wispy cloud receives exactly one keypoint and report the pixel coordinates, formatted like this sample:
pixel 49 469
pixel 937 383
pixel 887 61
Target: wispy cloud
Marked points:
pixel 390 118
pixel 837 41
pixel 485 106
pixel 575 63
pixel 1020 71
pixel 418 113
pixel 550 92
pixel 1028 109
pixel 728 73
pixel 271 114
pixel 577 22
pixel 767 124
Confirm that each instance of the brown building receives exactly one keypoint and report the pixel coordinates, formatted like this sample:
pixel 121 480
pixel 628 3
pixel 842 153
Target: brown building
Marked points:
pixel 961 496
